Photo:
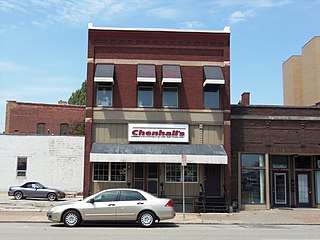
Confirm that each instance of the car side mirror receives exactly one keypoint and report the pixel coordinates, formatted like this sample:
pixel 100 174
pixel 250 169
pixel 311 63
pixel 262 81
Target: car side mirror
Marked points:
pixel 91 200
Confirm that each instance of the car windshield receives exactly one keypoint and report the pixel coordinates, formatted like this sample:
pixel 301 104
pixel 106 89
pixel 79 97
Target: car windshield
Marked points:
pixel 40 186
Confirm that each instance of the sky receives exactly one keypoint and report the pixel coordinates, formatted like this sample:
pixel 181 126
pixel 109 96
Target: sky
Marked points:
pixel 43 43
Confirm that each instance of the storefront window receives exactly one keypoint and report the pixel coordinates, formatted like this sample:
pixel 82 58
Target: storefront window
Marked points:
pixel 317 178
pixel 174 174
pixel 118 172
pixel 114 172
pixel 252 179
pixel 303 162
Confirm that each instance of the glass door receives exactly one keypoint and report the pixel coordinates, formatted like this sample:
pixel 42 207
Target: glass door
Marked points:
pixel 280 189
pixel 304 192
pixel 152 180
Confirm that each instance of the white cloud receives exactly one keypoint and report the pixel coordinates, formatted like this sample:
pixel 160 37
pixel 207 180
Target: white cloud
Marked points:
pixel 191 25
pixel 239 16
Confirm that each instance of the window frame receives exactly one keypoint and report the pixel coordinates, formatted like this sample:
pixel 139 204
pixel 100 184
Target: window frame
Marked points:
pixel 24 171
pixel 152 96
pixel 65 127
pixel 107 86
pixel 213 89
pixel 108 178
pixel 180 172
pixel 177 97
pixel 41 128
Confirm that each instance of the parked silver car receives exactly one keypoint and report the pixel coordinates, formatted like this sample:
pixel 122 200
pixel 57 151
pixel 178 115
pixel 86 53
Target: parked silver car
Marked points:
pixel 114 205
pixel 35 190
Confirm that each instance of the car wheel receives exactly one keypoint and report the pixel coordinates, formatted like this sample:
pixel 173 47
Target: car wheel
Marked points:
pixel 52 196
pixel 18 195
pixel 71 219
pixel 146 219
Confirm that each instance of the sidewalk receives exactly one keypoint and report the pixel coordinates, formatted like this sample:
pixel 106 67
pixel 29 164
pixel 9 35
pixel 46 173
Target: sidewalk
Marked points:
pixel 34 211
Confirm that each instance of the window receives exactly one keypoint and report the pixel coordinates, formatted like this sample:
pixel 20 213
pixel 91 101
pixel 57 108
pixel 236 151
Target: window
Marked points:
pixel 41 128
pixel 170 97
pixel 107 196
pixel 212 96
pixel 118 172
pixel 252 179
pixel 303 162
pixel 100 171
pixel 22 167
pixel 64 128
pixel 145 97
pixel 279 161
pixel 131 196
pixel 104 95
pixel 106 172
pixel 174 174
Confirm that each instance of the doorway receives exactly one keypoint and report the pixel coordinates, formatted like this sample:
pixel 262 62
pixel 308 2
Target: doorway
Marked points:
pixel 304 190
pixel 213 180
pixel 280 189
pixel 146 177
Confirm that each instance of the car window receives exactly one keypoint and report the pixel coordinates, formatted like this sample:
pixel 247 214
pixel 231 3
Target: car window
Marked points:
pixel 106 196
pixel 131 196
pixel 31 185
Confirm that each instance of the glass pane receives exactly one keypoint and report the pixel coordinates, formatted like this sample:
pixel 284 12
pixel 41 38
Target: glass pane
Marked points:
pixel 317 180
pixel 152 170
pixel 170 97
pixel 279 161
pixel 104 96
pixel 118 172
pixel 252 160
pixel 211 97
pixel 131 196
pixel 317 159
pixel 191 173
pixel 173 172
pixel 303 190
pixel 106 196
pixel 303 162
pixel 280 186
pixel 22 164
pixel 252 186
pixel 145 97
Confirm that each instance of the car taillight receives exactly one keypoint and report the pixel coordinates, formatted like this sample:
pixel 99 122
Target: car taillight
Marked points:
pixel 169 204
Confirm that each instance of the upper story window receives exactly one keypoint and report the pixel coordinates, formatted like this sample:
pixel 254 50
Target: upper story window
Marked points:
pixel 170 97
pixel 104 95
pixel 145 96
pixel 41 128
pixel 64 128
pixel 211 96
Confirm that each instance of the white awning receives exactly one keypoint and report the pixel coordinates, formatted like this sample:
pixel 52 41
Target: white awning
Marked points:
pixel 158 153
pixel 171 74
pixel 104 73
pixel 213 75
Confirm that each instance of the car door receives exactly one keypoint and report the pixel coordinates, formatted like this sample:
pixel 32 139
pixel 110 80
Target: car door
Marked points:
pixel 129 205
pixel 30 190
pixel 101 207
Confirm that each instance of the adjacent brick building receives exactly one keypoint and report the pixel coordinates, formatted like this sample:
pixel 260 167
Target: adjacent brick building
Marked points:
pixel 275 155
pixel 43 119
pixel 156 98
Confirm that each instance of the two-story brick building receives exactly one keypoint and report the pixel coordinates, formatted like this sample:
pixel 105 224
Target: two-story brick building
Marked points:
pixel 156 98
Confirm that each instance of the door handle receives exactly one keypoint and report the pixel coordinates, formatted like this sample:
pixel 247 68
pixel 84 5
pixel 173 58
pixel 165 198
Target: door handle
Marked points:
pixel 140 203
pixel 111 205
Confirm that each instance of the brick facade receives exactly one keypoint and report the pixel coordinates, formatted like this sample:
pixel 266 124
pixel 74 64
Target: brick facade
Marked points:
pixel 22 118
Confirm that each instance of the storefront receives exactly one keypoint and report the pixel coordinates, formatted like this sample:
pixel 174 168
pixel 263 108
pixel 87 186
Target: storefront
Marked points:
pixel 277 161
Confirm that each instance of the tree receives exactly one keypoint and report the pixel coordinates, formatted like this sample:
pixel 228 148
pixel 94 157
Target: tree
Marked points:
pixel 78 97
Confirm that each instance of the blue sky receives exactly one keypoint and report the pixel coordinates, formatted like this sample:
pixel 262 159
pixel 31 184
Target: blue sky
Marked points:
pixel 43 43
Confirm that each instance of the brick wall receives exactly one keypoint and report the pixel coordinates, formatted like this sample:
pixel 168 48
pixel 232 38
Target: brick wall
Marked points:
pixel 22 118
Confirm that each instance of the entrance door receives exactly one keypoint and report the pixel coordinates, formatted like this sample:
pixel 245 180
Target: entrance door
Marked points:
pixel 280 189
pixel 213 180
pixel 146 177
pixel 304 192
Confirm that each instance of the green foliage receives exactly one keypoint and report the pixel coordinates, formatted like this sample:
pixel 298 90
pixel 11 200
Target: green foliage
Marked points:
pixel 77 129
pixel 78 97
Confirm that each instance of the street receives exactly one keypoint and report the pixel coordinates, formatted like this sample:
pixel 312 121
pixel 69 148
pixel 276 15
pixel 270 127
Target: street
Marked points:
pixel 165 231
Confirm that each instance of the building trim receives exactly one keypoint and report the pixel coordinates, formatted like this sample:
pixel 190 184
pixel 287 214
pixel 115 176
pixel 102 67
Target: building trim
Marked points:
pixel 279 118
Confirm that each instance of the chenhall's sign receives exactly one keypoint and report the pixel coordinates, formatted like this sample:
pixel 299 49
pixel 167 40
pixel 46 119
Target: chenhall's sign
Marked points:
pixel 178 133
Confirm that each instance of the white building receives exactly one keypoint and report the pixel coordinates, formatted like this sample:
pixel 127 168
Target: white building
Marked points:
pixel 55 161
